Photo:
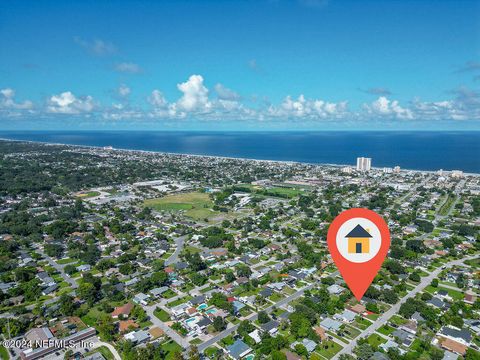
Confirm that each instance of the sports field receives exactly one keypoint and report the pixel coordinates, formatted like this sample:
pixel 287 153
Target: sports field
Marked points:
pixel 196 205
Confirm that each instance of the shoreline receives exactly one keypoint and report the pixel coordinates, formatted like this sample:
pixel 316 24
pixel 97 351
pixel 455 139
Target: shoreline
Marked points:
pixel 152 152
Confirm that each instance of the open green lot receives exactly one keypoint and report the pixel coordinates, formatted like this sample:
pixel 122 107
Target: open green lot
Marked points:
pixel 196 205
pixel 328 349
pixel 179 301
pixel 3 353
pixel 375 340
pixel 447 205
pixel 170 348
pixel 88 194
pixel 161 314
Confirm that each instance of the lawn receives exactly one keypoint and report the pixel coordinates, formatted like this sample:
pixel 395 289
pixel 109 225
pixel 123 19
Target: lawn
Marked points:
pixel 88 194
pixel 196 205
pixel 170 348
pixel 287 192
pixel 456 295
pixel 169 294
pixel 276 297
pixel 66 261
pixel 329 348
pixel 211 351
pixel 161 314
pixel 386 330
pixel 179 301
pixel 375 340
pixel 351 332
pixel 91 318
pixel 227 340
pixel 447 205
pixel 361 323
pixel 397 320
pixel 3 353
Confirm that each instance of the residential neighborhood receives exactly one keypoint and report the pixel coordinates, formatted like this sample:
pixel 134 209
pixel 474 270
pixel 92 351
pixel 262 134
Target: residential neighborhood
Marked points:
pixel 162 256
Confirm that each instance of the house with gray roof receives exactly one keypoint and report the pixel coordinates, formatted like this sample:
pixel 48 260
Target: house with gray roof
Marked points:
pixel 330 324
pixel 141 298
pixel 335 289
pixel 310 345
pixel 346 316
pixel 270 327
pixel 138 337
pixel 238 350
pixel 404 337
pixel 460 335
pixel 157 292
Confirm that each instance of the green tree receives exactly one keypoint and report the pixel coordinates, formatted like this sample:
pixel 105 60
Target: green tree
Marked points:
pixel 219 324
pixel 263 317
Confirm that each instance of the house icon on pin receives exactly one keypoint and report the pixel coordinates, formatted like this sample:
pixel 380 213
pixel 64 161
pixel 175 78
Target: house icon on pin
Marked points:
pixel 358 241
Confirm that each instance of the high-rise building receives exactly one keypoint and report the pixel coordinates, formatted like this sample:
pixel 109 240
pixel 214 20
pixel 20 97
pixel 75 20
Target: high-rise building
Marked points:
pixel 364 164
pixel 396 169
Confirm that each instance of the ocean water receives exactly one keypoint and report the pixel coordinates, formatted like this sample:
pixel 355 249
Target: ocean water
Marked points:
pixel 418 150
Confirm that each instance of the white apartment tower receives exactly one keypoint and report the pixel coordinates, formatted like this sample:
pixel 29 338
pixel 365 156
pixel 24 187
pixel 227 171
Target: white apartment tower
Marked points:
pixel 364 164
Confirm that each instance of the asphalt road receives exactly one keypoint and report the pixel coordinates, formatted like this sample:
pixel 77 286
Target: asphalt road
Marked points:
pixel 59 268
pixel 180 241
pixel 169 331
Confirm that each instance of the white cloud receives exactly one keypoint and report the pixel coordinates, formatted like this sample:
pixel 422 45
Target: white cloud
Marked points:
pixel 195 103
pixel 384 107
pixel 7 101
pixel 96 46
pixel 123 91
pixel 195 96
pixel 465 106
pixel 128 68
pixel 161 107
pixel 68 103
pixel 225 93
pixel 311 109
pixel 157 100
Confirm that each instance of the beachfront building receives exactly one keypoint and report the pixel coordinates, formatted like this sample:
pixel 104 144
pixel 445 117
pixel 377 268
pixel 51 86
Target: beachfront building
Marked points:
pixel 364 164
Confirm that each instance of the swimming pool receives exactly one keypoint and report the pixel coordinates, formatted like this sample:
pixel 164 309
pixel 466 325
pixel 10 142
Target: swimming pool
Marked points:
pixel 211 311
pixel 202 307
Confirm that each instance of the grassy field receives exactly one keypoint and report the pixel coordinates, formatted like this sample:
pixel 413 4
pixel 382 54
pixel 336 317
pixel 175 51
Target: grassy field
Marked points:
pixel 275 191
pixel 386 330
pixel 447 205
pixel 361 323
pixel 88 194
pixel 162 315
pixel 196 205
pixel 375 340
pixel 66 261
pixel 329 348
pixel 170 348
pixel 3 353
pixel 179 301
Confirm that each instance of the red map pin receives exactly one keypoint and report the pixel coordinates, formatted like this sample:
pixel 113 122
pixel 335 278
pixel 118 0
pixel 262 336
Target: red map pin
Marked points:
pixel 358 240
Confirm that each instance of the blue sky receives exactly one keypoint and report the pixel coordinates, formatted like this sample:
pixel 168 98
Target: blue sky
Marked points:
pixel 299 64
